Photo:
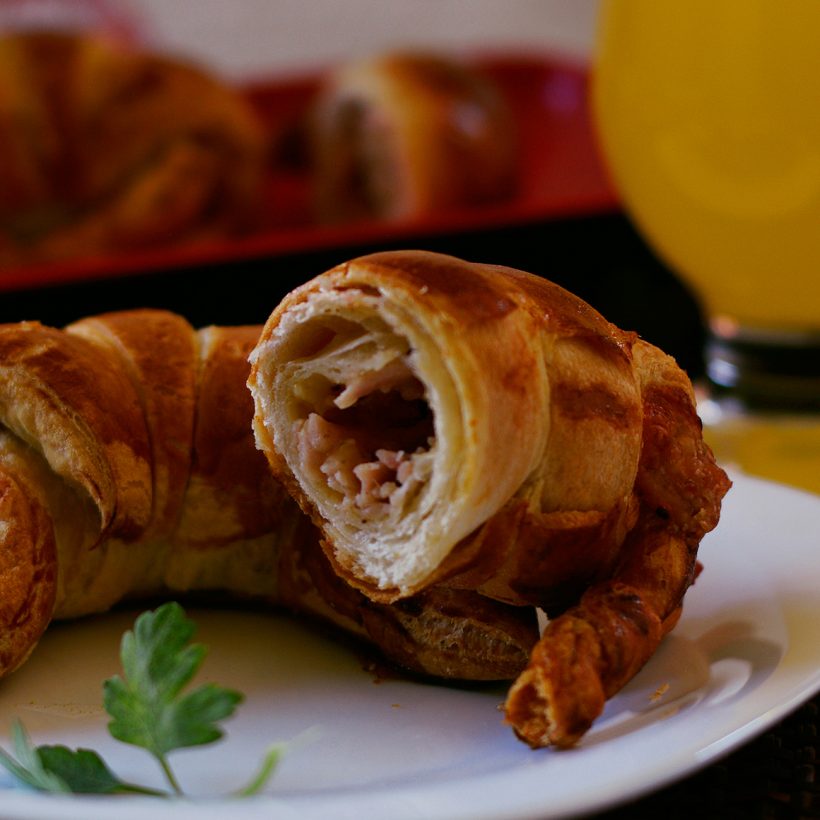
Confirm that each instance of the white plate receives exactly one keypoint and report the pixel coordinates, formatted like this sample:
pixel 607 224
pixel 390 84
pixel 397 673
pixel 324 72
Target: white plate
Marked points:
pixel 745 654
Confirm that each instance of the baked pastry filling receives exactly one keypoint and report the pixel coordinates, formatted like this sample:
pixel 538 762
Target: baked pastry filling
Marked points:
pixel 365 416
pixel 368 434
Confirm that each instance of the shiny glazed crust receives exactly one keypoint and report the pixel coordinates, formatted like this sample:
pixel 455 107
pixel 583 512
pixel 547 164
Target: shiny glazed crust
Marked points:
pixel 105 149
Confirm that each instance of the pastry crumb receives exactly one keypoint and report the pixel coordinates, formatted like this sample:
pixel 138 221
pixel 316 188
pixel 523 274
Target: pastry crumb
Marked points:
pixel 659 692
pixel 71 710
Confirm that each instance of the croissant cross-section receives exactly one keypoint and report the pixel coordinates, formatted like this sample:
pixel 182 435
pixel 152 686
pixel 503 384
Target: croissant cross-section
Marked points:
pixel 410 398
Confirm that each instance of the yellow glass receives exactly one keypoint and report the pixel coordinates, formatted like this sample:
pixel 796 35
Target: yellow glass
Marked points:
pixel 708 114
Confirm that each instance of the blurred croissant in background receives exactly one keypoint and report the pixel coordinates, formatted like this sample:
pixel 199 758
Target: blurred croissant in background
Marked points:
pixel 104 148
pixel 407 134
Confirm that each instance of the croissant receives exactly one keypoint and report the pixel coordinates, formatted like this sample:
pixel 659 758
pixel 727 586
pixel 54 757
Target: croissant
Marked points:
pixel 128 469
pixel 403 135
pixel 106 149
pixel 472 427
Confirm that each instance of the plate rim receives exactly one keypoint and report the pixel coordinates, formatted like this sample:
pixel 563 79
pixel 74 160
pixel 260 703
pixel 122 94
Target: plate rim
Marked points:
pixel 436 799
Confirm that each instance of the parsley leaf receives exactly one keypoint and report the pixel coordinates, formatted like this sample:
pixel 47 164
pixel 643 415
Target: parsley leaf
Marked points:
pixel 266 770
pixel 59 769
pixel 148 709
pixel 147 706
pixel 84 772
pixel 28 768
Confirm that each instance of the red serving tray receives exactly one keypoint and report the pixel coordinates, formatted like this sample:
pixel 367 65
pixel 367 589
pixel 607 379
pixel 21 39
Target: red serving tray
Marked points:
pixel 561 175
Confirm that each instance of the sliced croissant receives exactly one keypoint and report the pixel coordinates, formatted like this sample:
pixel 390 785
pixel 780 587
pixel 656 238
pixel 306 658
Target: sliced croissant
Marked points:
pixel 128 469
pixel 443 421
pixel 469 392
pixel 405 134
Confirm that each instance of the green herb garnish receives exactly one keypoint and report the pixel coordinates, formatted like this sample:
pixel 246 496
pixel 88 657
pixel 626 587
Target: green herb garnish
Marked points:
pixel 148 708
pixel 147 705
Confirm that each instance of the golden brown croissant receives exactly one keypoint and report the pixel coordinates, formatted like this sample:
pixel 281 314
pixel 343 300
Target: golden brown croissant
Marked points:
pixel 404 135
pixel 470 425
pixel 107 149
pixel 128 468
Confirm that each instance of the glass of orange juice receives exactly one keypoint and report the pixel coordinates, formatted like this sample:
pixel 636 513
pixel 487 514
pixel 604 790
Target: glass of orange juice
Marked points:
pixel 708 113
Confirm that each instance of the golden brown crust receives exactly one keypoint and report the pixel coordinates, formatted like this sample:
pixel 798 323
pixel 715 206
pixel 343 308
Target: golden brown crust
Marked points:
pixel 27 568
pixel 455 634
pixel 445 633
pixel 407 134
pixel 588 653
pixel 158 351
pixel 592 650
pixel 80 410
pixel 548 559
pixel 230 492
pixel 108 149
pixel 678 474
pixel 577 447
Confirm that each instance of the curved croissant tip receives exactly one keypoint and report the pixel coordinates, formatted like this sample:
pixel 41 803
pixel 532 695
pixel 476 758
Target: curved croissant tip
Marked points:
pixel 27 571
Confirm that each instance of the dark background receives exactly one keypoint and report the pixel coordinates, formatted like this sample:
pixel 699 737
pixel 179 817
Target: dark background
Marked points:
pixel 599 257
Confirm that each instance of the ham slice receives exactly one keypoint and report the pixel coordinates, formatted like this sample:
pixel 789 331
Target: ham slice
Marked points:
pixel 369 466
